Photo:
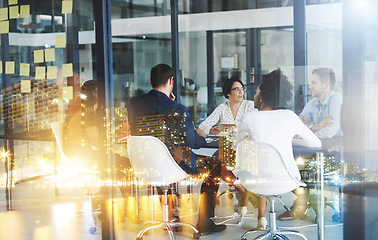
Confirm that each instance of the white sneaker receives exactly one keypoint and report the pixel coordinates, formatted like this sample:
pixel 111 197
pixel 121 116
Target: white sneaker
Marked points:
pixel 243 211
pixel 262 223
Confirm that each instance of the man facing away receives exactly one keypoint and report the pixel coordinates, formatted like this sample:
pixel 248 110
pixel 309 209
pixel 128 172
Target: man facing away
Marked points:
pixel 158 101
pixel 322 113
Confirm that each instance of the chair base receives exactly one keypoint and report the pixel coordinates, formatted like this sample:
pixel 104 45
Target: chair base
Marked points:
pixel 273 231
pixel 275 235
pixel 167 226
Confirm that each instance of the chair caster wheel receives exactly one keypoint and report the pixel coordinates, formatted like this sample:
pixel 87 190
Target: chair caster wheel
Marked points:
pixel 243 239
pixel 336 217
pixel 92 230
pixel 196 235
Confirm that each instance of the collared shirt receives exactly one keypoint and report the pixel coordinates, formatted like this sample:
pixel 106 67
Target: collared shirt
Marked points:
pixel 223 114
pixel 315 112
pixel 155 102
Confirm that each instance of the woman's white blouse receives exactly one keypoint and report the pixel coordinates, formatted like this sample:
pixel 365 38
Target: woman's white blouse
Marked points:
pixel 277 128
pixel 222 114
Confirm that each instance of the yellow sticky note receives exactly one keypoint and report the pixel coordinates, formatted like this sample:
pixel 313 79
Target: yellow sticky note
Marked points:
pixel 25 86
pixel 25 69
pixel 24 11
pixel 38 56
pixel 40 72
pixel 12 2
pixel 4 27
pixel 52 72
pixel 67 70
pixel 60 41
pixel 67 7
pixel 13 12
pixel 3 14
pixel 1 66
pixel 68 92
pixel 50 54
pixel 9 67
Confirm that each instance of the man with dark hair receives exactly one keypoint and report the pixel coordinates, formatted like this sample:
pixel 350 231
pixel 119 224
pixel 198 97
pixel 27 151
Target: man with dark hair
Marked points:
pixel 322 113
pixel 160 100
pixel 276 89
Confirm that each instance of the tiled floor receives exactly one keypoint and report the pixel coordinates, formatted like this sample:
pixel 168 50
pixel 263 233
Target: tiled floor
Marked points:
pixel 47 218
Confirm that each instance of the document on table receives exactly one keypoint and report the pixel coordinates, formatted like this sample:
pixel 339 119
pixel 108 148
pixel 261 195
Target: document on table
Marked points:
pixel 208 152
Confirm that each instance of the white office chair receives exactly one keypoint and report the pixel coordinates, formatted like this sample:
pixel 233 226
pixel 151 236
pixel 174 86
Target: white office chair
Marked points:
pixel 154 165
pixel 261 170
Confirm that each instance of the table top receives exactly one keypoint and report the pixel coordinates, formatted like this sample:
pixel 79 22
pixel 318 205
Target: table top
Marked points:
pixel 329 145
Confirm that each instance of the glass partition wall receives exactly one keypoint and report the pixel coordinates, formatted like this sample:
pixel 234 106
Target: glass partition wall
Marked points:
pixel 56 126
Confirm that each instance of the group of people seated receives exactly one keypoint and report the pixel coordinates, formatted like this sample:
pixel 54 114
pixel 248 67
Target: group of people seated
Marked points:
pixel 265 117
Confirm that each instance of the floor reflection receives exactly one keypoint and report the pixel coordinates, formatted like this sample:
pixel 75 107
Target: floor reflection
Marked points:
pixel 69 216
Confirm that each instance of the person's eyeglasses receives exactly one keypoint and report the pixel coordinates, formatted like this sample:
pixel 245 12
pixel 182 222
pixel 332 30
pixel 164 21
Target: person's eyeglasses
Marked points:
pixel 238 88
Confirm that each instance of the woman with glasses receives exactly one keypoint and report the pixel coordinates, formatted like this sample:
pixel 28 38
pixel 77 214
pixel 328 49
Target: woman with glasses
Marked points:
pixel 229 112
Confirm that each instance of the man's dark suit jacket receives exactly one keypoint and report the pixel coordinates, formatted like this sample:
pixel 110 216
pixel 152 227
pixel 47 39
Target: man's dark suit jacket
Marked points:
pixel 155 102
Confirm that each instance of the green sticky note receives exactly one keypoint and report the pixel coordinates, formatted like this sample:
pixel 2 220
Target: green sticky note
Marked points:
pixel 38 56
pixel 25 86
pixel 13 12
pixel 67 70
pixel 40 72
pixel 67 7
pixel 9 67
pixel 3 14
pixel 50 54
pixel 52 72
pixel 4 27
pixel 60 41
pixel 25 69
pixel 24 11
pixel 1 66
pixel 13 2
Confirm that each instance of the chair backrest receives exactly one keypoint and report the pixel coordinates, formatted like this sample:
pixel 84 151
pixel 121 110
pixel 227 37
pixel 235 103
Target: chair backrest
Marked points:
pixel 261 170
pixel 152 161
pixel 202 95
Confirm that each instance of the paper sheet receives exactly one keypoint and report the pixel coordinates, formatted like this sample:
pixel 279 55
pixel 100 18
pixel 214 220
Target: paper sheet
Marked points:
pixel 25 69
pixel 25 86
pixel 50 54
pixel 60 41
pixel 67 70
pixel 40 72
pixel 67 7
pixel 52 72
pixel 13 12
pixel 24 11
pixel 9 67
pixel 38 56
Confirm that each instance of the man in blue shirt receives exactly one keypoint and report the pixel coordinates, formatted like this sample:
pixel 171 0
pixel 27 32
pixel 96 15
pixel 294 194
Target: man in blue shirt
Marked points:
pixel 322 113
pixel 160 100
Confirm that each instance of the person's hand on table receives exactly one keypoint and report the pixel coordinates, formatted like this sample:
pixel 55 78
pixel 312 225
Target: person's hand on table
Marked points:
pixel 214 130
pixel 201 132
